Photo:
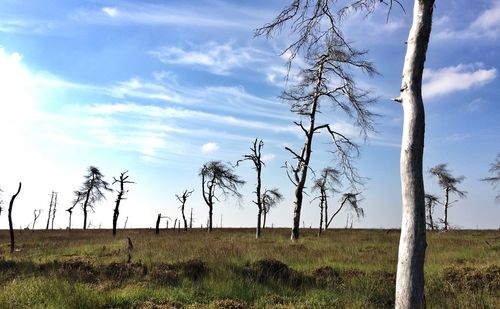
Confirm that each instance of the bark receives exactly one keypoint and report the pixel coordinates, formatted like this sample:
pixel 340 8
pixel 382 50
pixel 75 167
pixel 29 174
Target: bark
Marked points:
pixel 54 211
pixel 70 213
pixel 303 161
pixel 431 220
pixel 412 245
pixel 85 204
pixel 50 210
pixel 11 226
pixel 264 214
pixel 157 230
pixel 325 206
pixel 321 216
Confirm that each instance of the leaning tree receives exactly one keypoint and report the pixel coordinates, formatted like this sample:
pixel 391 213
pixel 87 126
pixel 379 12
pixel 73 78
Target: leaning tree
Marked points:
pixel 75 202
pixel 92 190
pixel 449 184
pixel 218 176
pixel 430 202
pixel 256 157
pixel 314 20
pixel 327 182
pixel 351 200
pixel 270 198
pixel 11 225
pixel 495 179
pixel 121 192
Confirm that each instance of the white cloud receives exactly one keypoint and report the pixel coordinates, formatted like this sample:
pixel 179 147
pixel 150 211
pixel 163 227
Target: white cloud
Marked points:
pixel 455 78
pixel 486 25
pixel 209 147
pixel 112 12
pixel 268 157
pixel 216 58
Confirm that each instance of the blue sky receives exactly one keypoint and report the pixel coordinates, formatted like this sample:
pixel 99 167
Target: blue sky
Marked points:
pixel 159 88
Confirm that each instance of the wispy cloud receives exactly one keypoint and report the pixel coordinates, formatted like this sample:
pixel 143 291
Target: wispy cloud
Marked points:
pixel 456 78
pixel 110 11
pixel 485 26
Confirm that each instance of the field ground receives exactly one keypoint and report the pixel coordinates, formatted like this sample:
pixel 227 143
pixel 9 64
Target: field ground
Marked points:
pixel 231 269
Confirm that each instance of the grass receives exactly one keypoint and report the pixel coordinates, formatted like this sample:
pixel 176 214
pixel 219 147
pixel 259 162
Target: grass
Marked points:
pixel 230 269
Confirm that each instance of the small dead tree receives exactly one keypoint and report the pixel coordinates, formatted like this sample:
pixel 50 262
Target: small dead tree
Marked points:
pixel 495 179
pixel 92 190
pixel 216 175
pixel 11 226
pixel 36 214
pixel 70 210
pixel 182 199
pixel 121 192
pixel 430 202
pixel 49 215
pixel 449 185
pixel 191 219
pixel 1 201
pixel 158 220
pixel 270 198
pixel 256 157
pixel 53 211
pixel 352 201
pixel 328 181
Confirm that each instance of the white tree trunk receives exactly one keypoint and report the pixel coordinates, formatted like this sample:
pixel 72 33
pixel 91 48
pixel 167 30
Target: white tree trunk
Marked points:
pixel 410 271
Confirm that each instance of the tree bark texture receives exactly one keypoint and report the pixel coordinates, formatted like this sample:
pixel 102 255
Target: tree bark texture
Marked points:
pixel 412 245
pixel 446 204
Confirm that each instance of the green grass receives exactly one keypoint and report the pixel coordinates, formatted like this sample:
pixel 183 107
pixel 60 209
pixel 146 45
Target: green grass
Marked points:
pixel 230 269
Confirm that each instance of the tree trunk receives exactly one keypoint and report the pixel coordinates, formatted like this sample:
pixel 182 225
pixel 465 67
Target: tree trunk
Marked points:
pixel 54 211
pixel 184 218
pixel 321 217
pixel 431 221
pixel 115 218
pixel 157 230
pixel 412 244
pixel 326 212
pixel 69 227
pixel 210 214
pixel 11 226
pixel 264 214
pixel 257 231
pixel 446 204
pixel 50 210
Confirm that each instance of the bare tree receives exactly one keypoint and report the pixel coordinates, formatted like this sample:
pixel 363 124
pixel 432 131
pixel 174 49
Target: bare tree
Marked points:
pixel 430 202
pixel 256 157
pixel 36 214
pixel 50 209
pixel 217 175
pixel 11 226
pixel 53 211
pixel 315 20
pixel 352 201
pixel 1 201
pixel 495 179
pixel 92 189
pixel 449 184
pixel 121 192
pixel 270 198
pixel 78 198
pixel 328 181
pixel 183 198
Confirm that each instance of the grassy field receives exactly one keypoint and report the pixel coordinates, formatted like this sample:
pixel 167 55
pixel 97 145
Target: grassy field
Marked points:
pixel 231 269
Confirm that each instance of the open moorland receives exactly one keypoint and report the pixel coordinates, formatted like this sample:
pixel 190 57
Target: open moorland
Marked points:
pixel 229 268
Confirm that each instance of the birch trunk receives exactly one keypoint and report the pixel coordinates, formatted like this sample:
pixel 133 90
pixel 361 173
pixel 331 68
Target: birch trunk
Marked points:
pixel 411 256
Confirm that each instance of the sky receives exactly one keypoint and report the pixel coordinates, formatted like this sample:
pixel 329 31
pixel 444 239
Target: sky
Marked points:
pixel 158 88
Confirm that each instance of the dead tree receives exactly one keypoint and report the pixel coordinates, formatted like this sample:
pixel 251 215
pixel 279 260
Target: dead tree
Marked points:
pixel 116 212
pixel 158 219
pixel 216 175
pixel 36 214
pixel 191 219
pixel 182 199
pixel 495 179
pixel 130 248
pixel 430 202
pixel 270 198
pixel 1 201
pixel 352 201
pixel 92 189
pixel 53 211
pixel 70 210
pixel 49 215
pixel 448 183
pixel 125 225
pixel 328 182
pixel 256 157
pixel 11 226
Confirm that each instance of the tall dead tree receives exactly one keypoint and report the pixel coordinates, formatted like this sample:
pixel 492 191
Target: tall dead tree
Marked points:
pixel 121 192
pixel 495 179
pixel 449 185
pixel 217 176
pixel 70 210
pixel 182 199
pixel 327 182
pixel 36 214
pixel 191 219
pixel 53 211
pixel 49 215
pixel 352 201
pixel 11 225
pixel 256 157
pixel 270 198
pixel 92 190
pixel 1 202
pixel 430 202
